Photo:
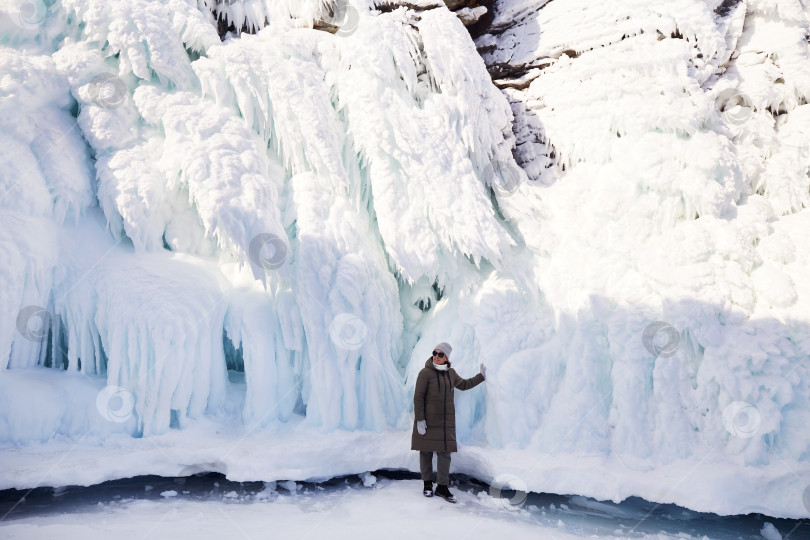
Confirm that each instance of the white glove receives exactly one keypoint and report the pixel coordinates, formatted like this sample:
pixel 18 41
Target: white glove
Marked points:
pixel 484 371
pixel 421 427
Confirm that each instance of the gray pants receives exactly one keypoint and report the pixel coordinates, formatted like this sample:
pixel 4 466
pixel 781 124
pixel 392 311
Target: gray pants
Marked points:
pixel 442 463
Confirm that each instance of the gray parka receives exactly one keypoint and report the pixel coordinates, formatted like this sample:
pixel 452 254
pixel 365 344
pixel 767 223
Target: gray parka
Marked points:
pixel 433 402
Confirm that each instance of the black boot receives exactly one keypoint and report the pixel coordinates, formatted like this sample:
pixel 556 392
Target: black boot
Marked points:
pixel 428 491
pixel 444 493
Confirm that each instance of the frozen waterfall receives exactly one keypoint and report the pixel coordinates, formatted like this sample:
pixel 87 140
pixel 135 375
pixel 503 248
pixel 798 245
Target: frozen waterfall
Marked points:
pixel 243 225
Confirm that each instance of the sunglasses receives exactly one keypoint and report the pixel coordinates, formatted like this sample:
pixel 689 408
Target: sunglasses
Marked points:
pixel 440 354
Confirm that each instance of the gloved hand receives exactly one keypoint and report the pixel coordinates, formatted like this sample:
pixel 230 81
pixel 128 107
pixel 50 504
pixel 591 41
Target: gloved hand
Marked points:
pixel 421 427
pixel 484 371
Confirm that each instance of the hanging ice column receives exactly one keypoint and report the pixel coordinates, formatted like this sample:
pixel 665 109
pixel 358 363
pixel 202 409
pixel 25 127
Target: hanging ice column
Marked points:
pixel 173 170
pixel 347 297
pixel 391 138
pixel 366 164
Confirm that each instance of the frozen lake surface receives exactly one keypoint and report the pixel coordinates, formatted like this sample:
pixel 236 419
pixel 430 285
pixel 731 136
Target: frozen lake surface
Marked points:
pixel 209 506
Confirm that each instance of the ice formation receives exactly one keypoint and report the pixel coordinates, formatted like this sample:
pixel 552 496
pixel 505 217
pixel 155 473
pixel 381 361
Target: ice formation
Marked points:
pixel 606 203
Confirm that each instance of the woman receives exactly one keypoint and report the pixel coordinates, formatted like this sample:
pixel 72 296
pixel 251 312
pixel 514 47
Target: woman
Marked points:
pixel 434 426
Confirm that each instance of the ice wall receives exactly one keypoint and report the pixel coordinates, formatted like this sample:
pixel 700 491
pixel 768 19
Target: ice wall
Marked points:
pixel 668 145
pixel 282 178
pixel 318 207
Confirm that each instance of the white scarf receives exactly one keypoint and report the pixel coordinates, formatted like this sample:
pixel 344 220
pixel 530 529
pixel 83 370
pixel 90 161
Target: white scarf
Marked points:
pixel 440 367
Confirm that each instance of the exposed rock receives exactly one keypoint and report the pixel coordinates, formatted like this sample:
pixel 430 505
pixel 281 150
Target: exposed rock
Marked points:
pixel 476 15
pixel 416 5
pixel 453 5
pixel 326 27
pixel 470 16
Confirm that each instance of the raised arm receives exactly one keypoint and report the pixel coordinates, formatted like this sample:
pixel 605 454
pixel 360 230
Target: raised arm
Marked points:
pixel 419 396
pixel 465 384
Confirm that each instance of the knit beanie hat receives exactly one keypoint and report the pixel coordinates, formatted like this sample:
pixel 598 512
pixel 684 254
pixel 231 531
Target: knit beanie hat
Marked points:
pixel 445 348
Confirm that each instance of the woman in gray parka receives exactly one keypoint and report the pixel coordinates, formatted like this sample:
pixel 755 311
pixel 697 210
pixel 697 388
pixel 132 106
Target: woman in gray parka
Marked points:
pixel 434 426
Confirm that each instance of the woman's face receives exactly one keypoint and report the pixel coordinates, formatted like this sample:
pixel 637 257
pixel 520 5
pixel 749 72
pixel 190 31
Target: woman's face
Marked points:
pixel 439 359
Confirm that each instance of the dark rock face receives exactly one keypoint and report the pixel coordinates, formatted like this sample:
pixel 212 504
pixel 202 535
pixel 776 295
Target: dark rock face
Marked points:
pixel 477 20
pixel 726 7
